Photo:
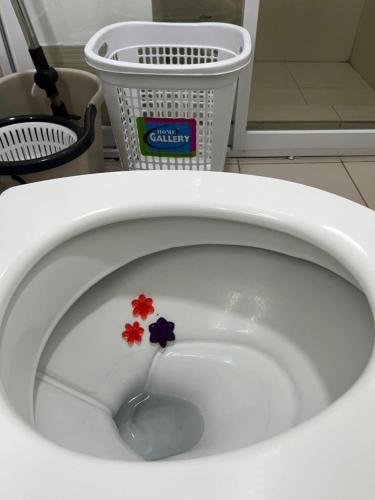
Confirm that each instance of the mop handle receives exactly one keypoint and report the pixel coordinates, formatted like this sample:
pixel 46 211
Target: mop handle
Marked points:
pixel 45 76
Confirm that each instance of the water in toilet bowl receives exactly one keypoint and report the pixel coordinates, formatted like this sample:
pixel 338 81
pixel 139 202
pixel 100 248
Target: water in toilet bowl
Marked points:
pixel 157 426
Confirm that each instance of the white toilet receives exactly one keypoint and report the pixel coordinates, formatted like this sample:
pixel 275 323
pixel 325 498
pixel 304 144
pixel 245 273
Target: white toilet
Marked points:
pixel 185 335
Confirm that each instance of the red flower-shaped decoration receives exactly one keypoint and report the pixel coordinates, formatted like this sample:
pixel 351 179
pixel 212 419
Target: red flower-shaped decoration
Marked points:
pixel 142 306
pixel 133 333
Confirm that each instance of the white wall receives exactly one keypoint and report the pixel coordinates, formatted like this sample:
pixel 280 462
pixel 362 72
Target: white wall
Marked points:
pixel 363 56
pixel 72 22
pixel 307 30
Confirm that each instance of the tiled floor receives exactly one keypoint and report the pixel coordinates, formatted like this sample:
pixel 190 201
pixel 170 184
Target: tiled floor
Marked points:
pixel 350 177
pixel 317 95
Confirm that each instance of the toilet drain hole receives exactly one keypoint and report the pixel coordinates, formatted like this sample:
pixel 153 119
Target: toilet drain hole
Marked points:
pixel 157 426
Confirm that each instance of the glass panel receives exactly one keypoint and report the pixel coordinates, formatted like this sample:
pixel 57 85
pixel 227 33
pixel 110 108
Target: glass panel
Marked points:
pixel 314 65
pixel 64 26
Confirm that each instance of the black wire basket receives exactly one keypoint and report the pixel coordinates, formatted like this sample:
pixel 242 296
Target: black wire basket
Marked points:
pixel 33 143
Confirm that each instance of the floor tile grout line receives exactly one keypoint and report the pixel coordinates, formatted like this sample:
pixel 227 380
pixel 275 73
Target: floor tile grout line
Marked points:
pixel 304 160
pixel 340 162
pixel 355 184
pixel 296 82
pixel 357 159
pixel 341 121
pixel 234 163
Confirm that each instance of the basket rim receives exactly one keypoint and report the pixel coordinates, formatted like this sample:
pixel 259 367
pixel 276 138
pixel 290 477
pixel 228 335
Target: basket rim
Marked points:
pixel 230 65
pixel 54 120
pixel 84 140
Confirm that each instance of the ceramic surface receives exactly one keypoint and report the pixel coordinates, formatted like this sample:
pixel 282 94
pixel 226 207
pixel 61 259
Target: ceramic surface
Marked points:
pixel 329 230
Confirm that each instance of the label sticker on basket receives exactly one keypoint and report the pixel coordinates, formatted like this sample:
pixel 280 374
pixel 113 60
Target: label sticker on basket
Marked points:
pixel 167 136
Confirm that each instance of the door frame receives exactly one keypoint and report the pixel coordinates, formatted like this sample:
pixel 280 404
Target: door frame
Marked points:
pixel 14 55
pixel 7 65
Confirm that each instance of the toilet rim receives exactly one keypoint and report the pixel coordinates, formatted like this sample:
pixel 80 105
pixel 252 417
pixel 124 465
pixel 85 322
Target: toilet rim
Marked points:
pixel 284 206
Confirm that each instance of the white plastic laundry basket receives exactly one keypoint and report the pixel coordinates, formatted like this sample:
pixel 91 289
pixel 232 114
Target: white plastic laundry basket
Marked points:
pixel 170 90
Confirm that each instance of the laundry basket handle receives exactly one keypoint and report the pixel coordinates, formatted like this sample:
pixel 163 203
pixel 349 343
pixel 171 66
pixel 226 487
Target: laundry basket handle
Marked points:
pixel 85 139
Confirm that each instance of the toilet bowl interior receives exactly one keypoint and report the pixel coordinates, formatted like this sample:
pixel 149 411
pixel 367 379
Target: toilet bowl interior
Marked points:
pixel 269 330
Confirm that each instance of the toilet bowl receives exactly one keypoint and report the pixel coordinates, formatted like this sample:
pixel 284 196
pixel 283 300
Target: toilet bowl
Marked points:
pixel 185 335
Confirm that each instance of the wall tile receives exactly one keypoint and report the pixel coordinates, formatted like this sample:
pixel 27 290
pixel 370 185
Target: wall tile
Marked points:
pixel 363 55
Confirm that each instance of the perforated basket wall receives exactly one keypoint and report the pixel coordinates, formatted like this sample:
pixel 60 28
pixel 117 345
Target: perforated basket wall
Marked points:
pixel 195 104
pixel 170 99
pixel 28 141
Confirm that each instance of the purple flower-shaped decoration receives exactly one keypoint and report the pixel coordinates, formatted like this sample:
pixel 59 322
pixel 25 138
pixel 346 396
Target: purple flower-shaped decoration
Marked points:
pixel 161 332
